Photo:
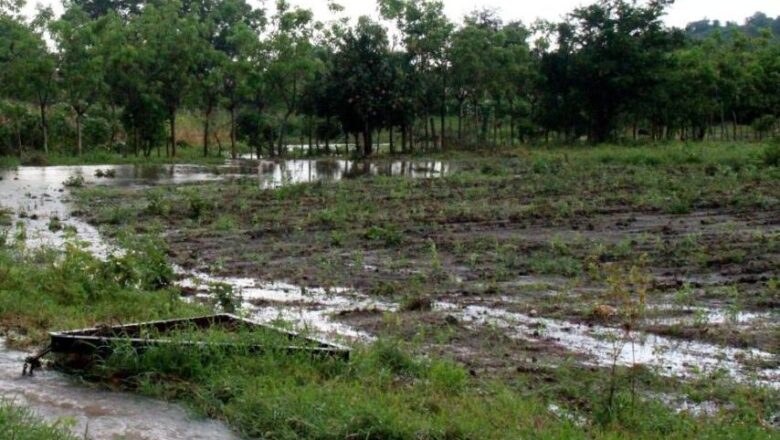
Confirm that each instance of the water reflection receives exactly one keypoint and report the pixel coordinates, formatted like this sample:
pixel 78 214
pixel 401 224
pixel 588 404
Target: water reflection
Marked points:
pixel 36 195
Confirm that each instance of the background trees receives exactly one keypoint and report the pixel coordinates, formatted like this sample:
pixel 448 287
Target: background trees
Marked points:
pixel 125 76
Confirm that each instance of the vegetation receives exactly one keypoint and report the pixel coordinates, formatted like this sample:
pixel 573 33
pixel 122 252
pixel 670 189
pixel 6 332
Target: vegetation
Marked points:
pixel 117 81
pixel 430 375
pixel 501 293
pixel 381 391
pixel 18 424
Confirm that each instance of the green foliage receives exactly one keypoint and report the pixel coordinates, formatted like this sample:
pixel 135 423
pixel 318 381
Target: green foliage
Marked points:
pixel 45 291
pixel 772 155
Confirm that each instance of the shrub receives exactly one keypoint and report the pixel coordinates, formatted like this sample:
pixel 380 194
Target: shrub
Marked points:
pixel 74 181
pixel 772 155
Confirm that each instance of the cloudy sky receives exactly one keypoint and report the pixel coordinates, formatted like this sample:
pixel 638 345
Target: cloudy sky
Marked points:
pixel 683 12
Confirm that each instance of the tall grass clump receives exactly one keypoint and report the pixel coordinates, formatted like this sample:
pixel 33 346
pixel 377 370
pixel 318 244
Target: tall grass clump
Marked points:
pixel 45 290
pixel 19 424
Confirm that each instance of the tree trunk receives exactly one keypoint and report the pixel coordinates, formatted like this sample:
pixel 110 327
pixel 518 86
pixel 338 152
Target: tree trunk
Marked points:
pixel 404 133
pixel 426 133
pixel 283 133
pixel 460 122
pixel 512 129
pixel 368 144
pixel 433 133
pixel 78 134
pixel 443 110
pixel 392 144
pixel 44 129
pixel 207 128
pixel 233 152
pixel 19 141
pixel 173 133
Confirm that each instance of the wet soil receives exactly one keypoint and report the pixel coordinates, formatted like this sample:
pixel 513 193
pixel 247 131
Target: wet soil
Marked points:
pixel 508 243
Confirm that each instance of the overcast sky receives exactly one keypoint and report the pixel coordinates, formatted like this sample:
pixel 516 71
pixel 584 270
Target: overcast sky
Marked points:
pixel 683 12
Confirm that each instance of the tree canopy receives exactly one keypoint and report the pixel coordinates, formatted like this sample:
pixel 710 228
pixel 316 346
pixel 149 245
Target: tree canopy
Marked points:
pixel 119 74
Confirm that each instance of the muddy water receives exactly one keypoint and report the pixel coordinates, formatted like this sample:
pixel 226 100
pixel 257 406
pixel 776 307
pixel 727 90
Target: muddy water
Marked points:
pixel 602 346
pixel 308 310
pixel 102 415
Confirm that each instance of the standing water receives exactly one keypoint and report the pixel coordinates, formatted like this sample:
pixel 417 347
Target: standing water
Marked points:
pixel 36 199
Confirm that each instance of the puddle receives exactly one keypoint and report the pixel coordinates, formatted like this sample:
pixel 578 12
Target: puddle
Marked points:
pixel 103 415
pixel 36 195
pixel 602 345
pixel 695 315
pixel 274 174
pixel 308 310
pixel 682 403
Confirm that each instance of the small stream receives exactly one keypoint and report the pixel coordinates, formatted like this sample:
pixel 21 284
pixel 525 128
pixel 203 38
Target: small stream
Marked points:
pixel 98 413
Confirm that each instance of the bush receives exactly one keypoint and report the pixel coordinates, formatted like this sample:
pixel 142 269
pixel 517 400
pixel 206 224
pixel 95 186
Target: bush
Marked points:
pixel 772 155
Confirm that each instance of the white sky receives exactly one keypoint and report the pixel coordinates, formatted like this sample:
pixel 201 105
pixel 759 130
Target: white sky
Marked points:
pixel 680 14
pixel 683 11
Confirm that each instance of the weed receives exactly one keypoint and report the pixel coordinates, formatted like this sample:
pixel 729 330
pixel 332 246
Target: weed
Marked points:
pixel 108 173
pixel 74 181
pixel 389 236
pixel 225 222
pixel 55 225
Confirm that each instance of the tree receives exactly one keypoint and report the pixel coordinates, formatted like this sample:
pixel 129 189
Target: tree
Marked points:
pixel 172 42
pixel 363 81
pixel 620 48
pixel 291 65
pixel 81 67
pixel 426 33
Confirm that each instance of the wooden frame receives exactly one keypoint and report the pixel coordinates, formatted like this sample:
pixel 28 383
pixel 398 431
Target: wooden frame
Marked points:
pixel 101 340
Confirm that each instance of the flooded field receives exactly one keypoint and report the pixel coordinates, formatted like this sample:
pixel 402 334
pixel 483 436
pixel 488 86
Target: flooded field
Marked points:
pixel 37 201
pixel 504 267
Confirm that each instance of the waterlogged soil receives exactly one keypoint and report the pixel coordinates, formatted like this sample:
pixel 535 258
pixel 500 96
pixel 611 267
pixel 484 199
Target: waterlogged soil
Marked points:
pixel 501 263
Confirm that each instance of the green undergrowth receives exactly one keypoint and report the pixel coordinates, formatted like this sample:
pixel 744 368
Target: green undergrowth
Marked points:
pixel 41 291
pixel 385 393
pixel 19 424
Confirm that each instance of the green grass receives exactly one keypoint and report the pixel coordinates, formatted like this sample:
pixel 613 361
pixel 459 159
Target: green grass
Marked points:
pixel 382 392
pixel 18 424
pixel 45 291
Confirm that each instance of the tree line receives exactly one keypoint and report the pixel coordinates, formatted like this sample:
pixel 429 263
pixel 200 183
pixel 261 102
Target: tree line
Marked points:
pixel 116 75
